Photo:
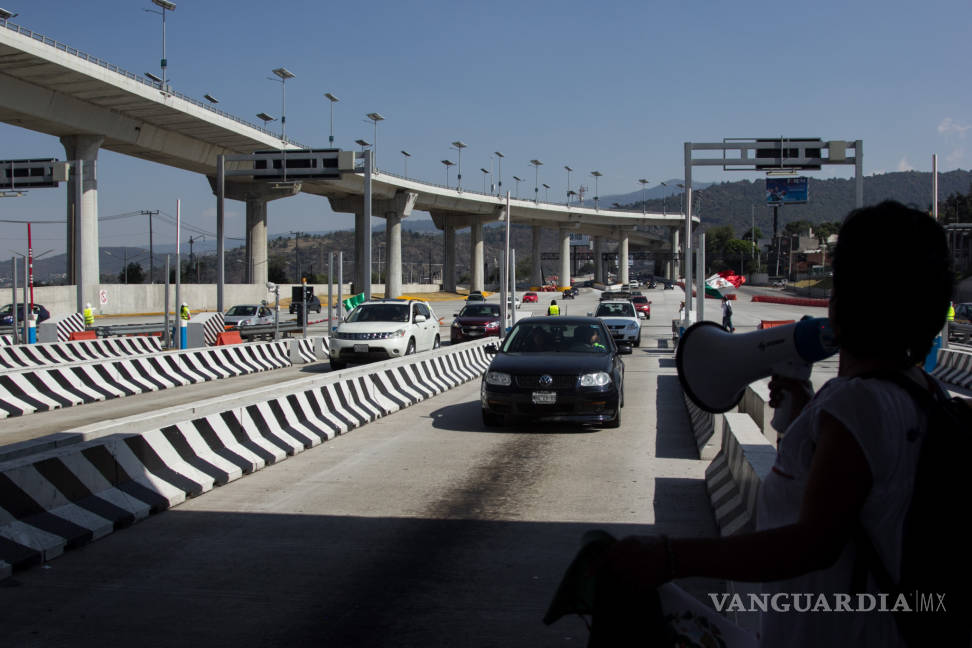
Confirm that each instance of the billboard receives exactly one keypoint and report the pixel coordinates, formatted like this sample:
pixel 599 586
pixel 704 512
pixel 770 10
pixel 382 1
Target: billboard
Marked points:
pixel 787 191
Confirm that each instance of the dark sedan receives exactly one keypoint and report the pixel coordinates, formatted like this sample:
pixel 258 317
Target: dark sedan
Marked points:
pixel 6 315
pixel 555 369
pixel 475 321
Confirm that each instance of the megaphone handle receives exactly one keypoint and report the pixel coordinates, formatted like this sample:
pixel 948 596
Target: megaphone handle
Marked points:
pixel 783 415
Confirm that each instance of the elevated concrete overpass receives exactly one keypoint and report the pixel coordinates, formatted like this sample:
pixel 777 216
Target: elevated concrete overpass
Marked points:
pixel 88 103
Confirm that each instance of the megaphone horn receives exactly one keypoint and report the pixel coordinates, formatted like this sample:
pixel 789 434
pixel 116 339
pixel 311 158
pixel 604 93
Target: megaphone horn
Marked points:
pixel 715 366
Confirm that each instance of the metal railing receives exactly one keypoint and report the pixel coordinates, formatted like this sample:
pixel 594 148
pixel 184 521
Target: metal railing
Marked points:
pixel 111 67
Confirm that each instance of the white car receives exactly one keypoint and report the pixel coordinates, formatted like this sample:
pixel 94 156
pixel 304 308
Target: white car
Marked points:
pixel 384 328
pixel 248 315
pixel 622 320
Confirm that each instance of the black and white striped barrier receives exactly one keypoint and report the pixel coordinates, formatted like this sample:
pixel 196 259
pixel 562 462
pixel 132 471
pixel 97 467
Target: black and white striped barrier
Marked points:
pixel 204 328
pixel 58 353
pixel 59 329
pixel 734 476
pixel 6 340
pixel 43 389
pixel 954 367
pixel 114 476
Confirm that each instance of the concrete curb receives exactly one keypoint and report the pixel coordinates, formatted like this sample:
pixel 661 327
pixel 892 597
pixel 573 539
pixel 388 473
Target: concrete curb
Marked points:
pixel 114 475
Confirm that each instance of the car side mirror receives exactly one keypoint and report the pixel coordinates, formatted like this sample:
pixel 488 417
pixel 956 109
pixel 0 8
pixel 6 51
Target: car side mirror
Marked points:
pixel 419 319
pixel 624 348
pixel 455 314
pixel 491 349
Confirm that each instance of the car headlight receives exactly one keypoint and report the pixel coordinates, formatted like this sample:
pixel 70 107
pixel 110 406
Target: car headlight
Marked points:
pixel 633 325
pixel 456 324
pixel 498 378
pixel 399 333
pixel 598 379
pixel 492 325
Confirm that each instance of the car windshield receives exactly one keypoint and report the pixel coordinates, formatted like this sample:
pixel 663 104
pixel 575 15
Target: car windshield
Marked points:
pixel 484 310
pixel 546 337
pixel 639 300
pixel 379 313
pixel 242 310
pixel 615 310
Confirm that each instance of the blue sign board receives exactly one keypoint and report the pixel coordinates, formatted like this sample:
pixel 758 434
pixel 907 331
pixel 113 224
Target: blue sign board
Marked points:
pixel 786 190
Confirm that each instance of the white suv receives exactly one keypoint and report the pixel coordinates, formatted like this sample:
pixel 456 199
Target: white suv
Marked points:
pixel 384 328
pixel 621 319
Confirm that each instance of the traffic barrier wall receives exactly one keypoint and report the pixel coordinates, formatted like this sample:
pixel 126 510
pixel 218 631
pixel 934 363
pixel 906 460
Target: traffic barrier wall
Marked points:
pixel 6 340
pixel 735 475
pixel 792 301
pixel 51 387
pixel 114 475
pixel 954 368
pixel 58 353
pixel 59 329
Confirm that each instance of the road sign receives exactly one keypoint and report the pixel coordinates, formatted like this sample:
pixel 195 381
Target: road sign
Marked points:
pixel 31 174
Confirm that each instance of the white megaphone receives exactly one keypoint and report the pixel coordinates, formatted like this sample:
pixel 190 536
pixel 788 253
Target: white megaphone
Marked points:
pixel 715 366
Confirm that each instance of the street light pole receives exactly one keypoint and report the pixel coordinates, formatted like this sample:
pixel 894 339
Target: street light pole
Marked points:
pixel 546 192
pixel 283 74
pixel 485 173
pixel 536 184
pixel 568 183
pixel 644 206
pixel 447 163
pixel 596 174
pixel 330 97
pixel 459 145
pixel 517 189
pixel 375 117
pixel 500 184
pixel 166 6
pixel 405 156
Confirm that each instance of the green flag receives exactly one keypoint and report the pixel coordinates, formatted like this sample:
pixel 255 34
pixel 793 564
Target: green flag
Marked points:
pixel 354 300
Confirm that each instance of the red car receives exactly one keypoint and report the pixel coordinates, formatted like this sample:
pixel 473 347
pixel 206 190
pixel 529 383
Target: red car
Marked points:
pixel 475 321
pixel 530 297
pixel 642 305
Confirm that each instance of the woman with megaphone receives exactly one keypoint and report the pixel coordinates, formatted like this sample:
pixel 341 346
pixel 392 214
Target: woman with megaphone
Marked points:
pixel 845 466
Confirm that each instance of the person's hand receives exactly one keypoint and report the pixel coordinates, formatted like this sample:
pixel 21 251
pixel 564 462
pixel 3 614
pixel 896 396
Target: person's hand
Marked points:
pixel 799 391
pixel 637 562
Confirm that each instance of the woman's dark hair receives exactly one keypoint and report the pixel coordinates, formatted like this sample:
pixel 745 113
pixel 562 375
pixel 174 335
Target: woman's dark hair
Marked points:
pixel 892 282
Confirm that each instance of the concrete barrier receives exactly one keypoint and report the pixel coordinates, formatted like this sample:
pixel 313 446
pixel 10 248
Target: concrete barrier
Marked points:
pixel 65 385
pixel 110 475
pixel 954 367
pixel 734 477
pixel 26 356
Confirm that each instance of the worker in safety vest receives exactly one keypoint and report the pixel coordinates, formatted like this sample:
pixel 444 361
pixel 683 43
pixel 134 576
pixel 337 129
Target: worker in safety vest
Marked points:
pixel 951 312
pixel 88 316
pixel 553 309
pixel 184 311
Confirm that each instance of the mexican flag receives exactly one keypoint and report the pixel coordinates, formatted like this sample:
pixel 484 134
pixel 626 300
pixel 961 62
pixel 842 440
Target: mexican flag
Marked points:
pixel 724 282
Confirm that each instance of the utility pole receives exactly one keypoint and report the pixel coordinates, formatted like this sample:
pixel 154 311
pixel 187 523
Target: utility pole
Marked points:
pixel 150 213
pixel 297 255
pixel 193 258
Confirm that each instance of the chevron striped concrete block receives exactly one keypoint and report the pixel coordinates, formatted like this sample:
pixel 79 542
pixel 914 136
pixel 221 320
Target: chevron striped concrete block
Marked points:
pixel 67 495
pixel 954 367
pixel 734 477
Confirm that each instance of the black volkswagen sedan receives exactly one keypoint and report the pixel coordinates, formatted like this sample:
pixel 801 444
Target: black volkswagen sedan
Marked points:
pixel 555 369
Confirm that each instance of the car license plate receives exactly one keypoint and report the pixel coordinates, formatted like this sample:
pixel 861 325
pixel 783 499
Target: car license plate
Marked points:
pixel 361 348
pixel 544 398
pixel 475 332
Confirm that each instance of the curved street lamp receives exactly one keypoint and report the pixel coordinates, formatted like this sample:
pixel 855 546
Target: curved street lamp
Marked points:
pixel 330 97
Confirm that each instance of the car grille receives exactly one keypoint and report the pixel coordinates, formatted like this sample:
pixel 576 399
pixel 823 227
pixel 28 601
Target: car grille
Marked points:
pixel 361 336
pixel 618 327
pixel 532 381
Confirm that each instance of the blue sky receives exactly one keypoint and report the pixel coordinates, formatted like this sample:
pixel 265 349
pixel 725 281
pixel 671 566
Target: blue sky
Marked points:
pixel 616 86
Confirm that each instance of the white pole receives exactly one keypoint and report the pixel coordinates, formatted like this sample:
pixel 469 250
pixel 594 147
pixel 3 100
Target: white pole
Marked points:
pixel 935 186
pixel 178 294
pixel 504 274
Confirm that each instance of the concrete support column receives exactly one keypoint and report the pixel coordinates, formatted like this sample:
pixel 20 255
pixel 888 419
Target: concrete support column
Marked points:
pixel 673 265
pixel 85 242
pixel 623 260
pixel 394 210
pixel 448 258
pixel 361 229
pixel 256 241
pixel 598 259
pixel 476 255
pixel 536 274
pixel 564 258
